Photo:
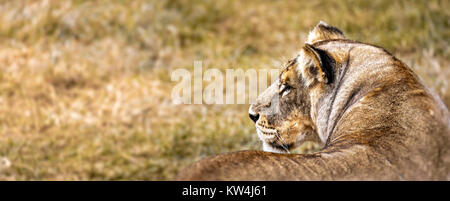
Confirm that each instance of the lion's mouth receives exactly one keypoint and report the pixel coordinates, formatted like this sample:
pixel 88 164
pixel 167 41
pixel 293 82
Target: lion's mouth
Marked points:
pixel 266 130
pixel 265 134
pixel 271 140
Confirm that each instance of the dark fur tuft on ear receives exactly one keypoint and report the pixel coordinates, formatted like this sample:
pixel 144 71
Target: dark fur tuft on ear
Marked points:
pixel 323 63
pixel 323 31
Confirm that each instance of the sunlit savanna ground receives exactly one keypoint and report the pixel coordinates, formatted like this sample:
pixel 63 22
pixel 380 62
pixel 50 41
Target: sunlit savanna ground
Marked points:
pixel 85 85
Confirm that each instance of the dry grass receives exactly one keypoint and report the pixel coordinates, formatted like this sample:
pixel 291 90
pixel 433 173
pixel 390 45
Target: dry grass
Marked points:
pixel 85 85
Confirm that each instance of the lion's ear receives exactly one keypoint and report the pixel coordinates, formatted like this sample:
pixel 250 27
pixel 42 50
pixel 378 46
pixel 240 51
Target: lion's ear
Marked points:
pixel 321 69
pixel 323 31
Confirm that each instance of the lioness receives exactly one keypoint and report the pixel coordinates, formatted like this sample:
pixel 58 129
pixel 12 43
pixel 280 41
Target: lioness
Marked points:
pixel 374 117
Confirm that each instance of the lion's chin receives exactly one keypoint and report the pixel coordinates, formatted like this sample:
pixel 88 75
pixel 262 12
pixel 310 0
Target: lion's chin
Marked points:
pixel 270 148
pixel 269 145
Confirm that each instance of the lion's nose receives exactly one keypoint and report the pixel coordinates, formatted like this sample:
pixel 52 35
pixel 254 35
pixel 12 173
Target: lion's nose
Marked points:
pixel 254 117
pixel 253 114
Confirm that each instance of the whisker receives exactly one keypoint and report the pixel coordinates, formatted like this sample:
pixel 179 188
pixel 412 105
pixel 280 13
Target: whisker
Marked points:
pixel 283 142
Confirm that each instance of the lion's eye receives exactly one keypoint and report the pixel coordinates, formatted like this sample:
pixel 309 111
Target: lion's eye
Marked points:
pixel 285 90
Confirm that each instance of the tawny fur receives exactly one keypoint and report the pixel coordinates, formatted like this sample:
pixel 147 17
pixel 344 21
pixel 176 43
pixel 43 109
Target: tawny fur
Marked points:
pixel 376 119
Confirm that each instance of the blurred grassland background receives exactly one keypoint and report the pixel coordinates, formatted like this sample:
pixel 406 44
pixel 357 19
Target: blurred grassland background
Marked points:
pixel 85 85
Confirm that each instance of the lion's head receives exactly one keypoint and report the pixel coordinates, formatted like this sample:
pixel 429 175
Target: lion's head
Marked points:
pixel 282 113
